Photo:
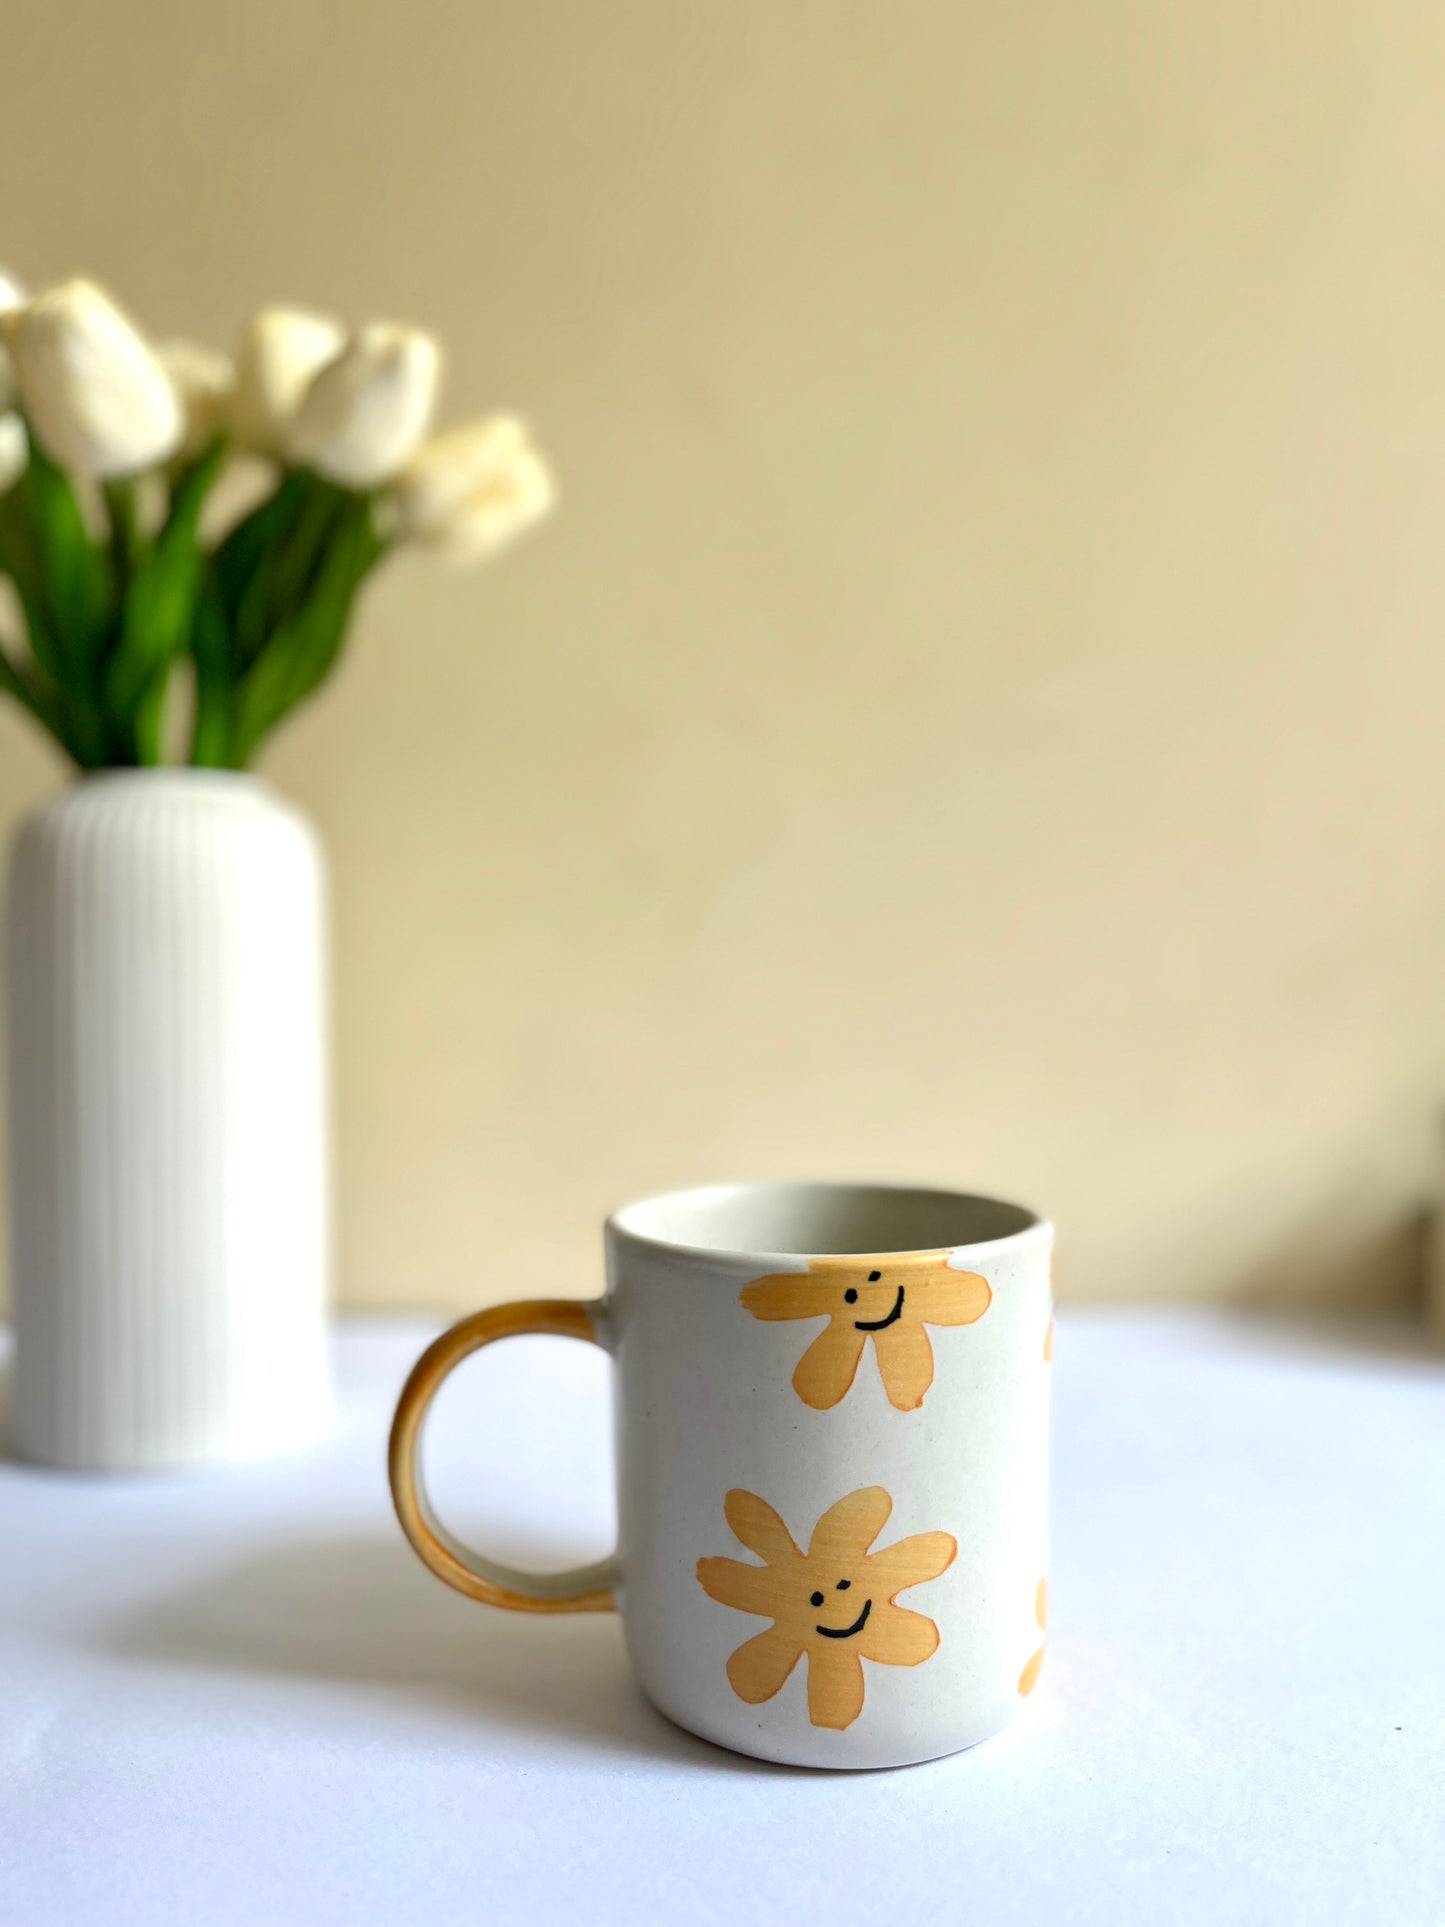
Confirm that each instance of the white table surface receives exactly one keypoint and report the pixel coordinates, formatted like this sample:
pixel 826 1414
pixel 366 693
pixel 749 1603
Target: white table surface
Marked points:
pixel 237 1697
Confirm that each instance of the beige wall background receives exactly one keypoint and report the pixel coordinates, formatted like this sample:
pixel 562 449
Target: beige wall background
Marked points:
pixel 979 716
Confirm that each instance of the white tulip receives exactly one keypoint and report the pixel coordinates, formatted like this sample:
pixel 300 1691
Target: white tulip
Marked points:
pixel 97 399
pixel 448 469
pixel 205 382
pixel 12 292
pixel 283 351
pixel 364 415
pixel 14 450
pixel 470 492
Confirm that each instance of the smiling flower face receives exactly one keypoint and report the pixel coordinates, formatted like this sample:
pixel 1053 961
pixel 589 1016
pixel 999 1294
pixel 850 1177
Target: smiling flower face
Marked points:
pixel 889 1300
pixel 834 1602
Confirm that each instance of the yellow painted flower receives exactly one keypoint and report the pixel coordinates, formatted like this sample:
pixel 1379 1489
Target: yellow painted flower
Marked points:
pixel 889 1300
pixel 834 1602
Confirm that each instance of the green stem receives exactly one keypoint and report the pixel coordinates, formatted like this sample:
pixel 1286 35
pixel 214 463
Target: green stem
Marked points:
pixel 215 684
pixel 158 613
pixel 148 723
pixel 302 649
pixel 284 575
pixel 125 533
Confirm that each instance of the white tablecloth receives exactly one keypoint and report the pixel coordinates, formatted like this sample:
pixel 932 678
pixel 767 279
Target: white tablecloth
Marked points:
pixel 237 1697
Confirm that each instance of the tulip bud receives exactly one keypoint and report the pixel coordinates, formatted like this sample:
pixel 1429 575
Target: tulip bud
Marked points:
pixel 468 493
pixel 283 351
pixel 205 382
pixel 14 451
pixel 96 397
pixel 365 413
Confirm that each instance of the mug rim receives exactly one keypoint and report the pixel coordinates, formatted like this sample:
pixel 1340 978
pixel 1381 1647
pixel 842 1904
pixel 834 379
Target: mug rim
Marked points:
pixel 620 1223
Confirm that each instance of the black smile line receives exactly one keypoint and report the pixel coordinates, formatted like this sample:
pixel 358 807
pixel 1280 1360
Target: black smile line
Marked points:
pixel 847 1632
pixel 881 1324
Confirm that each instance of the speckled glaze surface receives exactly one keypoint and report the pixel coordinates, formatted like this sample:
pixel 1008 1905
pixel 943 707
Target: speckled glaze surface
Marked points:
pixel 832 1416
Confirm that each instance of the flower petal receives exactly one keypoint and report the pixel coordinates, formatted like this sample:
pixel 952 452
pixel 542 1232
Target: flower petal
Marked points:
pixel 846 1530
pixel 449 469
pixel 910 1562
pixel 364 414
pixel 205 382
pixel 905 1363
pixel 759 1527
pixel 894 1636
pixel 498 513
pixel 790 1294
pixel 835 1686
pixel 96 399
pixel 284 350
pixel 945 1297
pixel 829 1366
pixel 1029 1677
pixel 758 1668
pixel 751 1589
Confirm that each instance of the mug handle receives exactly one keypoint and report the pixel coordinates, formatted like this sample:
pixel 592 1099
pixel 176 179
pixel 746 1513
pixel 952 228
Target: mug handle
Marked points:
pixel 585 1589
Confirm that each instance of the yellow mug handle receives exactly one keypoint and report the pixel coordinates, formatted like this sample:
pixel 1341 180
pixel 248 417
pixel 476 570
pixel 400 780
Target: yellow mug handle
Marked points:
pixel 586 1589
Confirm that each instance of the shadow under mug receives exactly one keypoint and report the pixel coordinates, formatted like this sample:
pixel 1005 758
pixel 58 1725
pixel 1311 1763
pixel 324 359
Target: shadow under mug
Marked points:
pixel 831 1438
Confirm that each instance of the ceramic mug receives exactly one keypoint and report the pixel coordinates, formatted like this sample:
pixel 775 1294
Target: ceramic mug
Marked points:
pixel 831 1436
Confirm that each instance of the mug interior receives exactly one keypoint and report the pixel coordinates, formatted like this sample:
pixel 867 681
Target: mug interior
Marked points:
pixel 821 1220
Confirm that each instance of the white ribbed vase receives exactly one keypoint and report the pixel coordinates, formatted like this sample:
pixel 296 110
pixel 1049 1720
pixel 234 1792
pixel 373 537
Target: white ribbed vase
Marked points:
pixel 165 943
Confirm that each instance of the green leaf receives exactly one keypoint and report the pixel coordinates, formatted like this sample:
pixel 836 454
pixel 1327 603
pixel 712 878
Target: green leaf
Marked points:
pixel 148 722
pixel 20 560
pixel 35 694
pixel 65 707
pixel 128 543
pixel 75 580
pixel 215 680
pixel 303 648
pixel 157 612
pixel 243 551
pixel 43 645
pixel 286 568
pixel 67 593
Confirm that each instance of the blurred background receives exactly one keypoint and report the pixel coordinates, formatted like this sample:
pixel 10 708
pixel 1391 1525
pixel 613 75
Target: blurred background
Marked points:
pixel 977 716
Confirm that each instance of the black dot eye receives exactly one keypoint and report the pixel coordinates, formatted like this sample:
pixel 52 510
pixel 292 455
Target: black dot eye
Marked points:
pixel 844 1584
pixel 850 1296
pixel 874 1276
pixel 817 1599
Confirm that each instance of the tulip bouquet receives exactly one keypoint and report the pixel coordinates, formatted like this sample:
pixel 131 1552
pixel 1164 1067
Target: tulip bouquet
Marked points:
pixel 116 459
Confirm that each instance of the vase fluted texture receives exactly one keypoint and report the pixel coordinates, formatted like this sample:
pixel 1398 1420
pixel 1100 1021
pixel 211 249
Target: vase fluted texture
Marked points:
pixel 166 1007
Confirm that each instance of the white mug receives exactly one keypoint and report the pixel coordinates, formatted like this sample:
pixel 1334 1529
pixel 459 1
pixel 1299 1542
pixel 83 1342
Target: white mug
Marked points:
pixel 831 1430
